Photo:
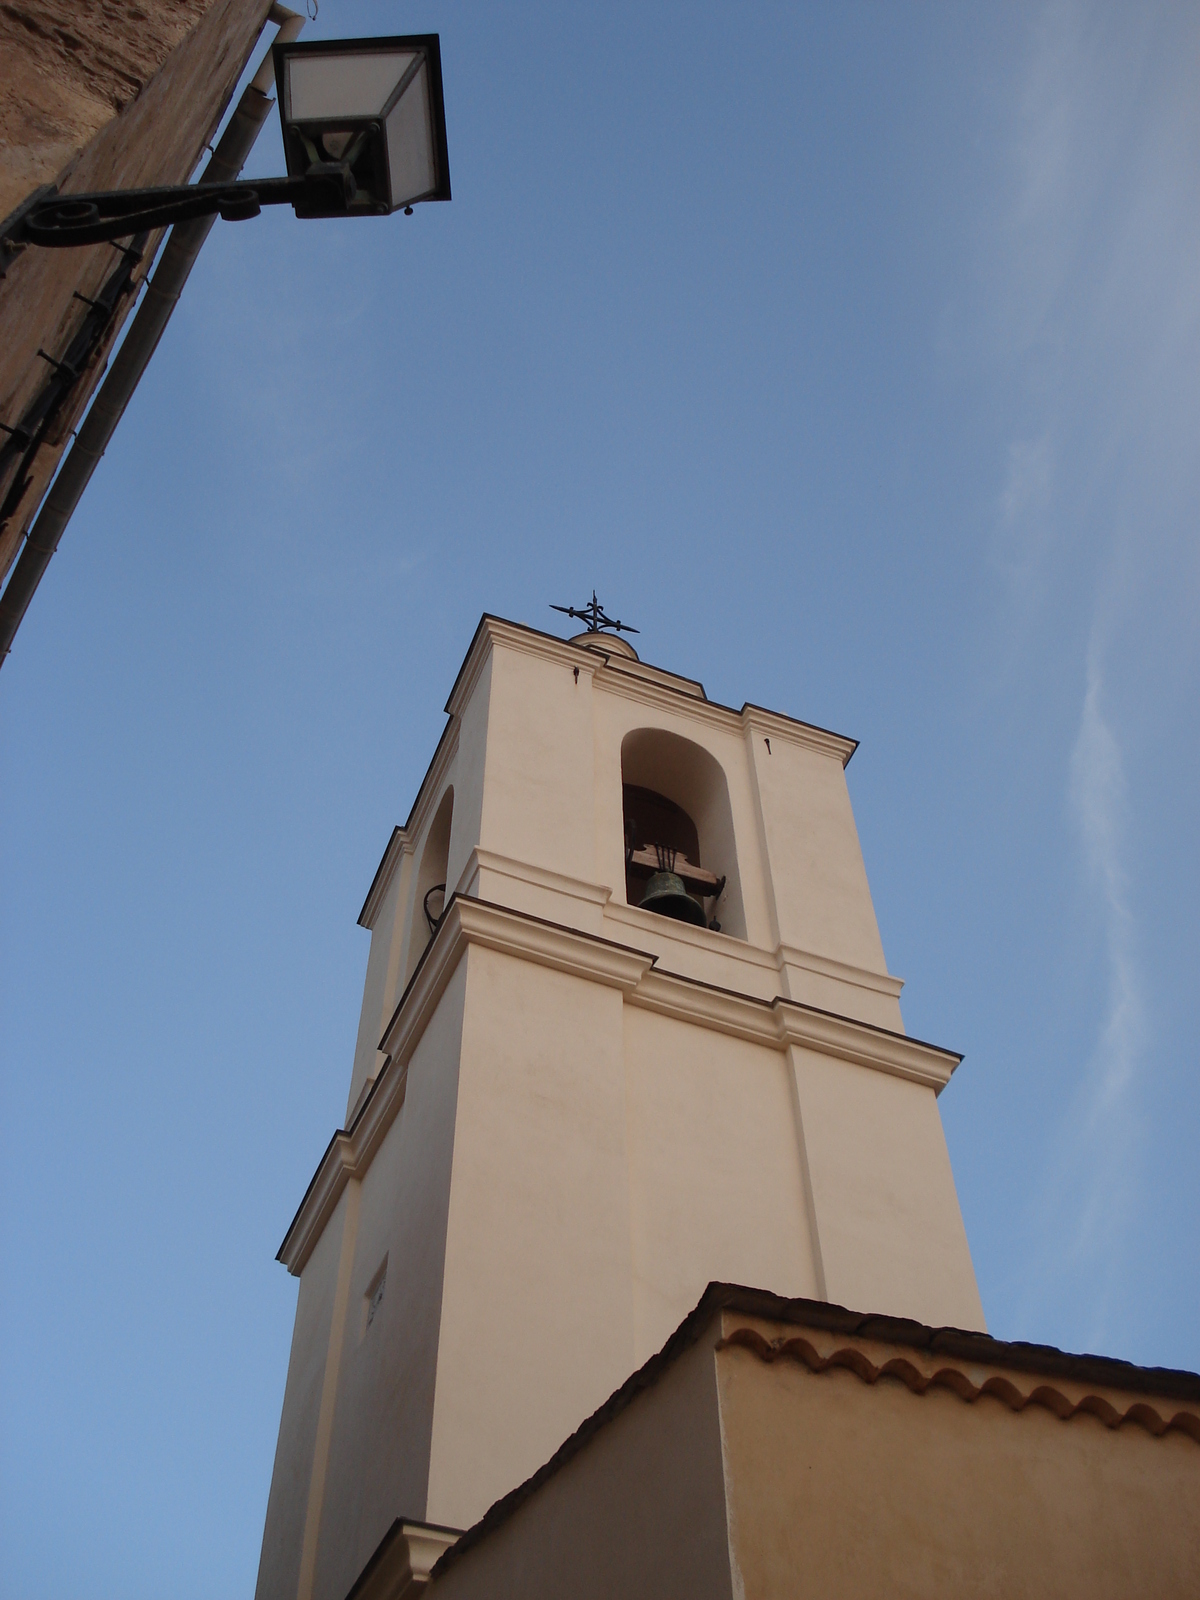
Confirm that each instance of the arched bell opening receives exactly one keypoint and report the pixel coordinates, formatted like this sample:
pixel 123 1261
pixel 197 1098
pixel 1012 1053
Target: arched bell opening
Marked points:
pixel 429 896
pixel 680 856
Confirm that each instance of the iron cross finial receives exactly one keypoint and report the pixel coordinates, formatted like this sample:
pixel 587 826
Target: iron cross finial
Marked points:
pixel 595 617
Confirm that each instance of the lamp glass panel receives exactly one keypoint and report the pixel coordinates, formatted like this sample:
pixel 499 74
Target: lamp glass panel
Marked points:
pixel 409 131
pixel 344 83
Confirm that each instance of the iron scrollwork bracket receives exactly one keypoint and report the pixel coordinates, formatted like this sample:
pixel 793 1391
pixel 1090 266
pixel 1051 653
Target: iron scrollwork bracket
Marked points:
pixel 60 221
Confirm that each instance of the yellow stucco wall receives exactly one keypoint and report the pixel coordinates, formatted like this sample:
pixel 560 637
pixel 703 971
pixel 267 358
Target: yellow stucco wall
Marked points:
pixel 837 1486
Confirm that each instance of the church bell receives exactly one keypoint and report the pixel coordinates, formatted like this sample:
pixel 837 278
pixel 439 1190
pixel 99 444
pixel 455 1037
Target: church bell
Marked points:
pixel 666 894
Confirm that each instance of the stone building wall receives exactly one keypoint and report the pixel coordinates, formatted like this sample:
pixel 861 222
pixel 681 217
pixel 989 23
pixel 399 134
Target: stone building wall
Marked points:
pixel 113 94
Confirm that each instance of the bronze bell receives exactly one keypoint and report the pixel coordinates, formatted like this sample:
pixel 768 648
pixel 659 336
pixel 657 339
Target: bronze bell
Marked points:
pixel 666 894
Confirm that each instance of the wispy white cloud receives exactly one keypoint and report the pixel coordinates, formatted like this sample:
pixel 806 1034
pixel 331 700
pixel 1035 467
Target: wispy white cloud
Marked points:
pixel 1085 1207
pixel 1093 281
pixel 1023 513
pixel 1100 1153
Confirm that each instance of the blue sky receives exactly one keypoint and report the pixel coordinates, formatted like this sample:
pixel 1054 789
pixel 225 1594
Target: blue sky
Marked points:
pixel 851 352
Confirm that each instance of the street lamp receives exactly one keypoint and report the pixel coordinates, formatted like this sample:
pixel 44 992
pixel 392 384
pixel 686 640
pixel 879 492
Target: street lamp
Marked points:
pixel 364 131
pixel 372 106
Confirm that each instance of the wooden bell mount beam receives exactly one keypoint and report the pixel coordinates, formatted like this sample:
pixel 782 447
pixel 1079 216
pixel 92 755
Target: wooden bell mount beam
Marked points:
pixel 697 879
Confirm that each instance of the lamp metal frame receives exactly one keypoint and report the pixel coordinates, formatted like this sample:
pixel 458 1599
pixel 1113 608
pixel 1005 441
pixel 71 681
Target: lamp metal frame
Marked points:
pixel 426 49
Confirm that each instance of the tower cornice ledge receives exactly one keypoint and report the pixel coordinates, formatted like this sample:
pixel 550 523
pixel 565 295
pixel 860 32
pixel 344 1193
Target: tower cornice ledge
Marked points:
pixel 778 725
pixel 779 1024
pixel 381 882
pixel 638 680
pixel 402 838
pixel 525 872
pixel 827 967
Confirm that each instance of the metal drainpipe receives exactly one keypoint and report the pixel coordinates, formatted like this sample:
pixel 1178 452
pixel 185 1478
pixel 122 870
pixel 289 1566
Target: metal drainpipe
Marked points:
pixel 131 360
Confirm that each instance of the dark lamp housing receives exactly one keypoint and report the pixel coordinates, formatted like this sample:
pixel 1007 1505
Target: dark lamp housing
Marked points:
pixel 372 106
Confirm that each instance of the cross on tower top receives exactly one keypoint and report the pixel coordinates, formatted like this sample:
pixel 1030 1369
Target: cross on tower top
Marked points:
pixel 595 617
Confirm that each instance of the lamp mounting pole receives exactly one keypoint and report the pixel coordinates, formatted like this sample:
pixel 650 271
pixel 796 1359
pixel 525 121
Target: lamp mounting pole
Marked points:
pixel 61 221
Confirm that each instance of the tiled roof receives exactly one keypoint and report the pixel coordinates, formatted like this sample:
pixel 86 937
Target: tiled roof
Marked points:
pixel 956 1344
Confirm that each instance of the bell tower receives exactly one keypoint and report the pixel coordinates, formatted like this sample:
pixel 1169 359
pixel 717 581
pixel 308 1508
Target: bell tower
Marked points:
pixel 627 1028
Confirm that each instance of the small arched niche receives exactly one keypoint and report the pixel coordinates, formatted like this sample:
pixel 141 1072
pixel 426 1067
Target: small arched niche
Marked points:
pixel 675 796
pixel 429 897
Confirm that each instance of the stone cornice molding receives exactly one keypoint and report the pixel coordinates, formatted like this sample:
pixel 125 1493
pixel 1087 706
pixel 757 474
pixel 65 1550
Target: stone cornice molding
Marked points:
pixel 433 783
pixel 402 1561
pixel 781 1023
pixel 637 680
pixel 851 1358
pixel 729 947
pixel 494 631
pixel 548 944
pixel 620 666
pixel 337 1166
pixel 776 725
pixel 826 967
pixel 404 840
pixel 590 657
pixel 865 1044
pixel 778 1024
pixel 525 872
pixel 397 845
pixel 662 697
pixel 478 651
pixel 635 918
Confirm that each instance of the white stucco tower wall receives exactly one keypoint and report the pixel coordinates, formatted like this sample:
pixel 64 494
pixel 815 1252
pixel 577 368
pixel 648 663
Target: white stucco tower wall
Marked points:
pixel 568 1114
